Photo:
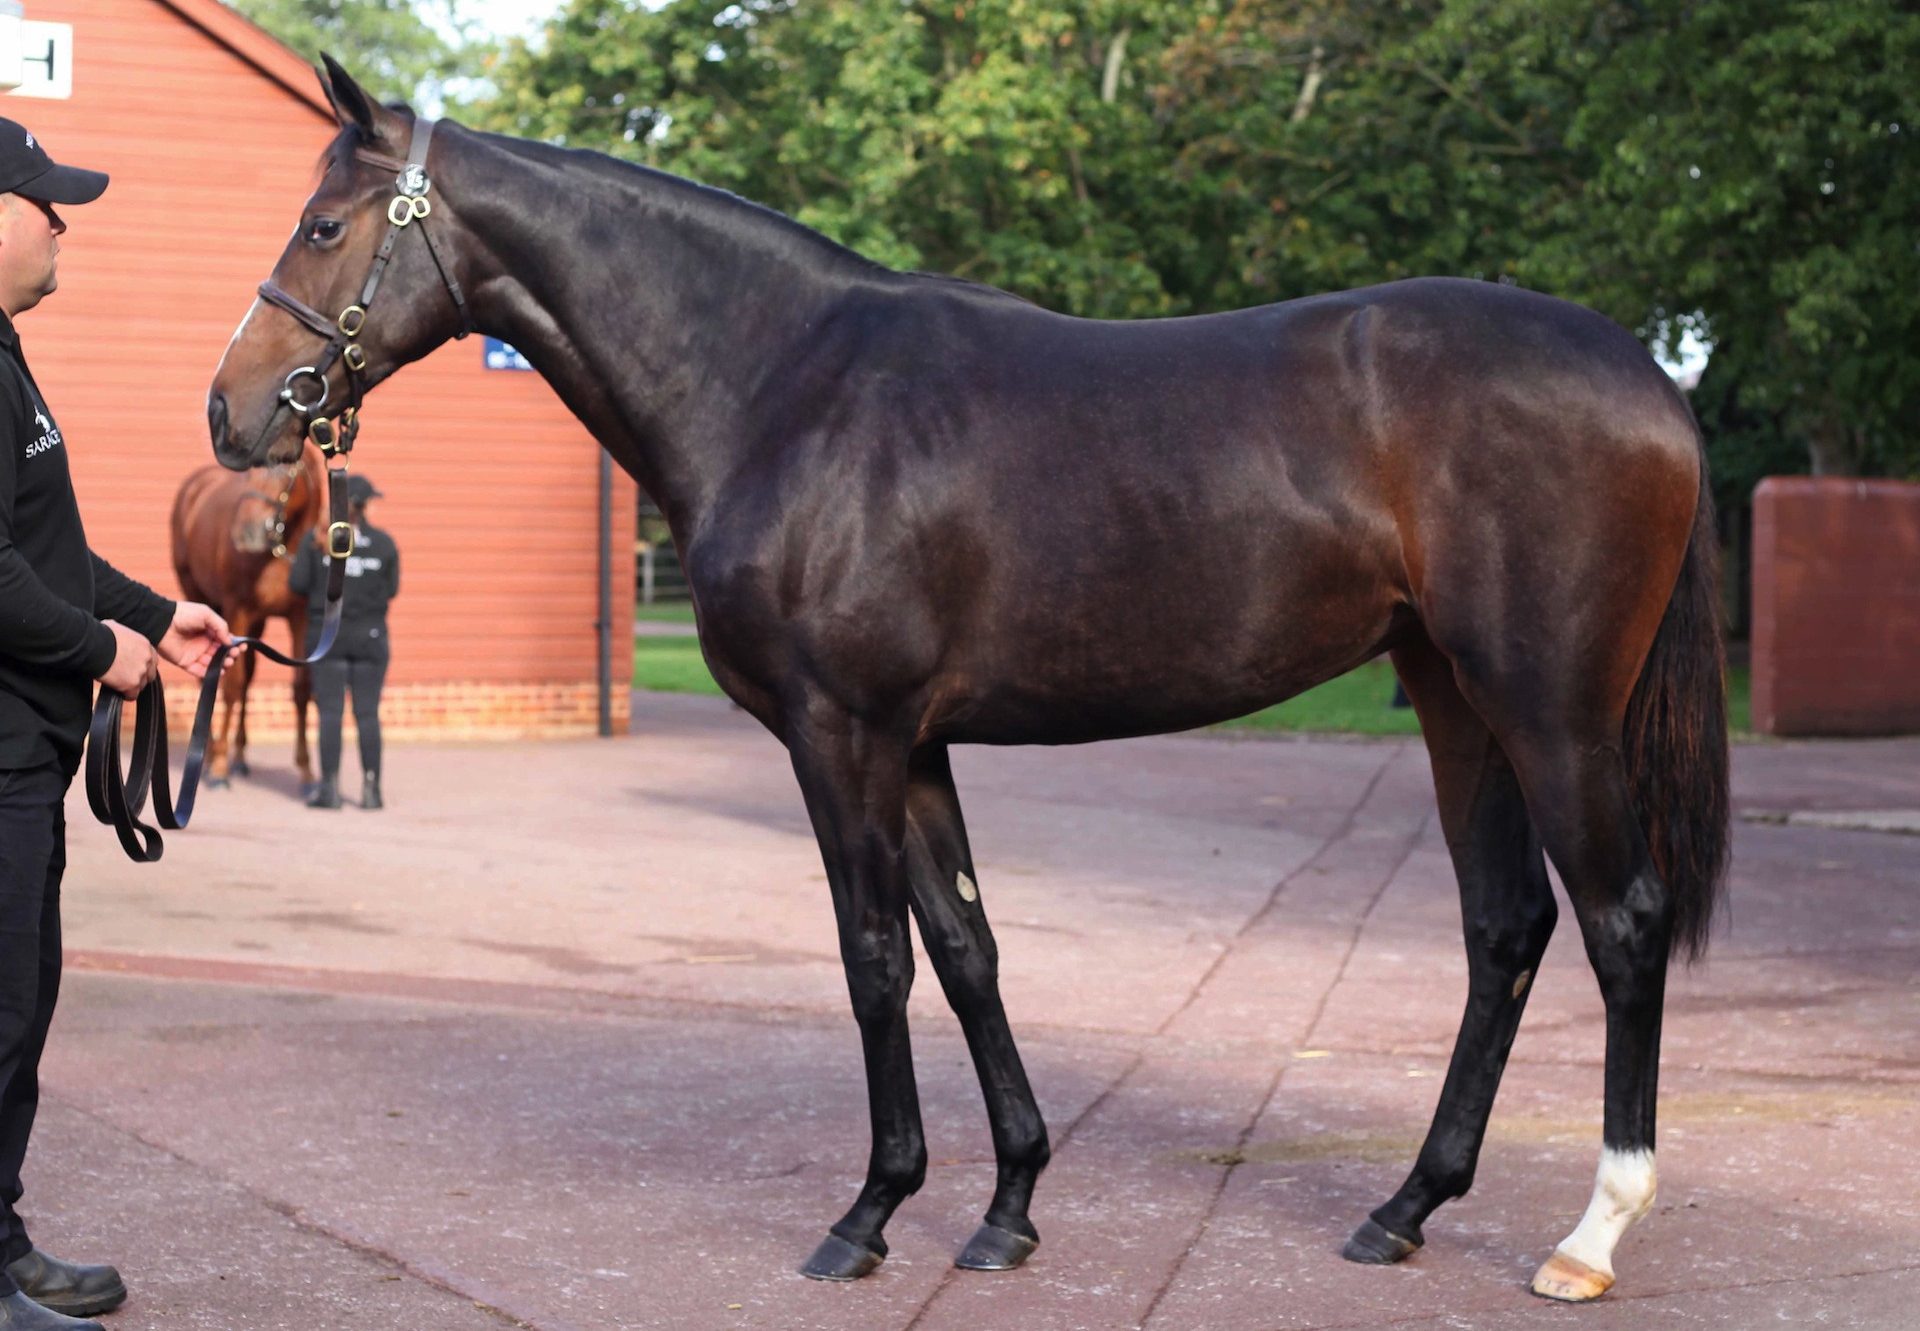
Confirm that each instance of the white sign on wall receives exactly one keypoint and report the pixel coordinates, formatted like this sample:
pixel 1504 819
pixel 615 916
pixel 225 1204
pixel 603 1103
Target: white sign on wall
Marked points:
pixel 46 60
pixel 36 59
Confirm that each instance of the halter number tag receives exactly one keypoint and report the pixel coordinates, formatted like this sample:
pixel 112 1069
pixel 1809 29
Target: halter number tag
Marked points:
pixel 412 181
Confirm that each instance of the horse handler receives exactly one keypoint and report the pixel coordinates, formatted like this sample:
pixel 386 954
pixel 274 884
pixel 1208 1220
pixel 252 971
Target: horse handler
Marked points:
pixel 67 618
pixel 360 654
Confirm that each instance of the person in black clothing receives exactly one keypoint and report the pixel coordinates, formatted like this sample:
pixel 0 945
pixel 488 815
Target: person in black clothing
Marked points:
pixel 67 618
pixel 358 661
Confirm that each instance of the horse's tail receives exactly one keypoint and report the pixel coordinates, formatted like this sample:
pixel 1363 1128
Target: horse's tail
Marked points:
pixel 1676 740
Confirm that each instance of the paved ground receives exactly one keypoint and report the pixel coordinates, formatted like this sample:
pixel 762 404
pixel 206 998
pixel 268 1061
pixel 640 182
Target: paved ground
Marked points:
pixel 560 1041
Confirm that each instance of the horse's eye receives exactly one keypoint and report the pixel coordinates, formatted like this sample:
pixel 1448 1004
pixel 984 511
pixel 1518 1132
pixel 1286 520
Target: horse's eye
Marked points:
pixel 324 230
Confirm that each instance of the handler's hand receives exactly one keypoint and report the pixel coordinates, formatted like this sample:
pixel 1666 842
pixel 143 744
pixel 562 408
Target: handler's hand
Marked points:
pixel 197 632
pixel 133 661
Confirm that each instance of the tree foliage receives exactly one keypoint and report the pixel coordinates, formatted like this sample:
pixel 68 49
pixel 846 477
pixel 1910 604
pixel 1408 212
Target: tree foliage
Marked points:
pixel 1738 169
pixel 397 48
pixel 1004 140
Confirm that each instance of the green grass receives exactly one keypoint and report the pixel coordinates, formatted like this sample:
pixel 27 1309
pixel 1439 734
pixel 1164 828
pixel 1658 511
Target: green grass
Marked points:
pixel 665 612
pixel 1354 704
pixel 1740 700
pixel 671 665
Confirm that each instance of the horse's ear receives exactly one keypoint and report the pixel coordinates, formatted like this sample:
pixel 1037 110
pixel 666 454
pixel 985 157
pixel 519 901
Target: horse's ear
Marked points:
pixel 354 107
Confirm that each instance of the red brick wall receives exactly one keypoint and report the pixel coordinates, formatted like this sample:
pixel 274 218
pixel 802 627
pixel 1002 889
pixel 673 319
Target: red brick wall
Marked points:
pixel 1836 607
pixel 210 130
pixel 472 709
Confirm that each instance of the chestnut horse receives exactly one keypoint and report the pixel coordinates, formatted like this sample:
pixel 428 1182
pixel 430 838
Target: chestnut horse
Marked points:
pixel 916 512
pixel 233 543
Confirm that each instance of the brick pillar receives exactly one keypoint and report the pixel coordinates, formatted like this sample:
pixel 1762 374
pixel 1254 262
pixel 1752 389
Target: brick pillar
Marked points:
pixel 1836 606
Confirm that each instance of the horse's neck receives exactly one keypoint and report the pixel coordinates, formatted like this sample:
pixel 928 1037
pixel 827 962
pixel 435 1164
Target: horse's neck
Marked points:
pixel 655 308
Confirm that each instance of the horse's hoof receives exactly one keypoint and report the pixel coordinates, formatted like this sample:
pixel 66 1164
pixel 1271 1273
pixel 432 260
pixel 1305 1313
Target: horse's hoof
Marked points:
pixel 216 783
pixel 241 769
pixel 1373 1244
pixel 1570 1280
pixel 837 1259
pixel 995 1249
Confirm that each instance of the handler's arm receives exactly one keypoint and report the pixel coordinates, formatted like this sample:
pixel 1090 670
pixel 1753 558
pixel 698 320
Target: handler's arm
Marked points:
pixel 139 607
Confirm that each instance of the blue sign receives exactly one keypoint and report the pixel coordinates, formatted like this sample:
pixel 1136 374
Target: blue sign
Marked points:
pixel 500 356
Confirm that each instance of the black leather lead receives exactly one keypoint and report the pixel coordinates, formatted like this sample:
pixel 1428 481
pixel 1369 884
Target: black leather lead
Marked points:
pixel 119 800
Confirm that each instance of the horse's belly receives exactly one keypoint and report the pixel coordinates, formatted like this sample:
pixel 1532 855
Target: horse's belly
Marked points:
pixel 1159 670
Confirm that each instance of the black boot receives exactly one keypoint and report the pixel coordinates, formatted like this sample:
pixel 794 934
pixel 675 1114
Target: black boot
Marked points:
pixel 370 792
pixel 326 795
pixel 20 1313
pixel 67 1288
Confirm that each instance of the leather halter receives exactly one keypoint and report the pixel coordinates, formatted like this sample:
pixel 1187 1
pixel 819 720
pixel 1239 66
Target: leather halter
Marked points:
pixel 275 527
pixel 408 206
pixel 120 801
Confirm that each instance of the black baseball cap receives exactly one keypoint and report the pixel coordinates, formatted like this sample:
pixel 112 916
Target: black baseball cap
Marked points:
pixel 360 490
pixel 25 169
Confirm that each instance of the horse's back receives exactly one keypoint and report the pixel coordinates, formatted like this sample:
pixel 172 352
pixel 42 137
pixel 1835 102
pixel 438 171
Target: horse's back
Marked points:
pixel 1094 528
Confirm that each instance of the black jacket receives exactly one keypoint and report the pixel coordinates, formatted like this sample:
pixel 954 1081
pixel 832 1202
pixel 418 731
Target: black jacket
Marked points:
pixel 54 591
pixel 373 580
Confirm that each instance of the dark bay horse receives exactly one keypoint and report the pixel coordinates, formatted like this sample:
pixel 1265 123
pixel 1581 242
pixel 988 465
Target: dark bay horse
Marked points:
pixel 233 538
pixel 916 512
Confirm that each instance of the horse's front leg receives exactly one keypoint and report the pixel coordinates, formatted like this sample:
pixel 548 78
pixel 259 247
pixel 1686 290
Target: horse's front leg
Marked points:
pixel 302 699
pixel 239 765
pixel 302 696
pixel 953 925
pixel 233 690
pixel 854 780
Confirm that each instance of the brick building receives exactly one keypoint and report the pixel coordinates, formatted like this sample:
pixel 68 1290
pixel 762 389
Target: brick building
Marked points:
pixel 211 130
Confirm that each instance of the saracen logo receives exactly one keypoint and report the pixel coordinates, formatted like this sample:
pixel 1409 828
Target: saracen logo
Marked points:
pixel 49 439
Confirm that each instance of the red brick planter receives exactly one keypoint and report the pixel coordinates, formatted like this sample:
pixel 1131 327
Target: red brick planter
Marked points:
pixel 1836 606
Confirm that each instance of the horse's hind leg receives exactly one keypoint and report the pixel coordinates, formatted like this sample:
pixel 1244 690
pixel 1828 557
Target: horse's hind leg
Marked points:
pixel 854 780
pixel 953 925
pixel 1507 912
pixel 1576 785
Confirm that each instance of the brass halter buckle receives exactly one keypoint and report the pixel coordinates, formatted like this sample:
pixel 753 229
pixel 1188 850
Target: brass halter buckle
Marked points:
pixel 339 540
pixel 334 438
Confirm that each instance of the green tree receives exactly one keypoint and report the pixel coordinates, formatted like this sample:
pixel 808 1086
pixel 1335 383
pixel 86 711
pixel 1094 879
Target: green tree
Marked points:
pixel 400 49
pixel 1742 170
pixel 1739 169
pixel 1008 141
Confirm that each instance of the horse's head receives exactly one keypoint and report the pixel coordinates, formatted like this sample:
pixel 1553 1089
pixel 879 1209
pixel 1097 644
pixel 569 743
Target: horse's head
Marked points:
pixel 316 339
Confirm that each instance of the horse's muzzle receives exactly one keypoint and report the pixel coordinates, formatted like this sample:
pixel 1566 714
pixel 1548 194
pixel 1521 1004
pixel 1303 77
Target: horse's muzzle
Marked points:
pixel 232 453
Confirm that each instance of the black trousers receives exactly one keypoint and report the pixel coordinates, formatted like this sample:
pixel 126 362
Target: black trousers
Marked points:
pixel 33 856
pixel 363 674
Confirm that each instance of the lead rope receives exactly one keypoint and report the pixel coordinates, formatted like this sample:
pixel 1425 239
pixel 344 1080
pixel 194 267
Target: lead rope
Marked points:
pixel 119 800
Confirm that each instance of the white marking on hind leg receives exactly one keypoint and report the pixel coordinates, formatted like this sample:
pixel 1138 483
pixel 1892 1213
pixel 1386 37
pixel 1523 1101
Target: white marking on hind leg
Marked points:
pixel 964 885
pixel 1623 1191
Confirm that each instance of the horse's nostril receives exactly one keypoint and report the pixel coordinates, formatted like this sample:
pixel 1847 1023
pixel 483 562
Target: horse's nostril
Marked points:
pixel 217 417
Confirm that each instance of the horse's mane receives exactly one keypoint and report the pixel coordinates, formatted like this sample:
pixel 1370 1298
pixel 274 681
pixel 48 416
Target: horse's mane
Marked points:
pixel 730 212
